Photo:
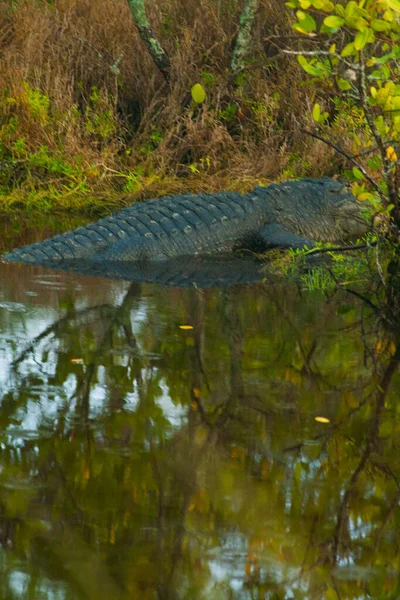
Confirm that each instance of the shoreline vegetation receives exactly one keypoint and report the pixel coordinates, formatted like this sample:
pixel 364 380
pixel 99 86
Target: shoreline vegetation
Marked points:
pixel 89 124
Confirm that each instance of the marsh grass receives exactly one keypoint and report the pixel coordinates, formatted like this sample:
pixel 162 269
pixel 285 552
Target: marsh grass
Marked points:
pixel 86 119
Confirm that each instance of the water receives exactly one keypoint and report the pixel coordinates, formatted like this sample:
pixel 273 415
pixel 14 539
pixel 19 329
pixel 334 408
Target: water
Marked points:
pixel 186 443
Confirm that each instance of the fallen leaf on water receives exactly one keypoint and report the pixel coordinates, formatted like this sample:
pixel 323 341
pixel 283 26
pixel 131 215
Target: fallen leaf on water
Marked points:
pixel 322 420
pixel 185 327
pixel 78 361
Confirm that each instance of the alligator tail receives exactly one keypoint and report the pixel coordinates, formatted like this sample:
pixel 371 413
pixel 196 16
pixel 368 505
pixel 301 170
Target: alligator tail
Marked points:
pixel 81 243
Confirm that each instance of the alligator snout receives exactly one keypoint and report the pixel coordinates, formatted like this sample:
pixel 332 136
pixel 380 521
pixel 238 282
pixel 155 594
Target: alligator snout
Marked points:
pixel 351 220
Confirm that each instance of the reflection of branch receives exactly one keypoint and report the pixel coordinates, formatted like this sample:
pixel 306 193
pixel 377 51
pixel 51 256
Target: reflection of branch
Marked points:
pixel 118 314
pixel 307 356
pixel 64 481
pixel 55 327
pixel 334 429
pixel 369 448
pixel 389 514
pixel 354 293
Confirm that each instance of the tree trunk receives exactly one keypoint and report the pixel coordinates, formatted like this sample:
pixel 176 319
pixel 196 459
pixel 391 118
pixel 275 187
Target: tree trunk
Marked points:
pixel 157 52
pixel 244 39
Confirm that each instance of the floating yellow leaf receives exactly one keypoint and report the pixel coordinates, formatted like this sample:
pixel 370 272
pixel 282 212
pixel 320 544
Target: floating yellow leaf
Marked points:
pixel 391 154
pixel 322 420
pixel 196 392
pixel 77 361
pixel 185 327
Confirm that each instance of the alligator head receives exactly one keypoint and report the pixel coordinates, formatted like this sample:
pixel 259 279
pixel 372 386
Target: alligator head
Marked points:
pixel 318 209
pixel 348 215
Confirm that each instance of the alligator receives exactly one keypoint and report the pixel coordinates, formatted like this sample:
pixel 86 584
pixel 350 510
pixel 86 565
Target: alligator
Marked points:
pixel 294 214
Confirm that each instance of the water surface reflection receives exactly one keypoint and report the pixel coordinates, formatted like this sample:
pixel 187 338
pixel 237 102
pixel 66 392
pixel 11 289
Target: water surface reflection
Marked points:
pixel 140 459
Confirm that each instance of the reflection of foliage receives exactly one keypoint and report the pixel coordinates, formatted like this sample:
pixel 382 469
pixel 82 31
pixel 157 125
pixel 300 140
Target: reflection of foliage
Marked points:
pixel 187 463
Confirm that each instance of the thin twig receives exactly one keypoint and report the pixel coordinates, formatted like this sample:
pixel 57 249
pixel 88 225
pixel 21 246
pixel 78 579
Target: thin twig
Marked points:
pixel 340 248
pixel 346 155
pixel 375 133
pixel 321 53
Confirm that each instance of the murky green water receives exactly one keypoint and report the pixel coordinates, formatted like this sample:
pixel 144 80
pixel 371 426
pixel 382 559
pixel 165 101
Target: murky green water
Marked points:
pixel 140 459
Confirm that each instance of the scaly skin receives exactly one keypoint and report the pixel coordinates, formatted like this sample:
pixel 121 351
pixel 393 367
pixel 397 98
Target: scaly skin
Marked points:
pixel 292 214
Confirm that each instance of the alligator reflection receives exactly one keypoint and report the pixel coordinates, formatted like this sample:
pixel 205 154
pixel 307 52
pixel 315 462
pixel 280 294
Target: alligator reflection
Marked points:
pixel 143 460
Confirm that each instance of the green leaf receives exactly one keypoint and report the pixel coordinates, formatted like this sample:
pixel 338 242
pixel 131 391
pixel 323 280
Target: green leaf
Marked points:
pixel 361 38
pixel 333 22
pixel 381 126
pixel 343 84
pixel 323 117
pixel 379 25
pixel 316 112
pixel 351 8
pixel 327 6
pixel 394 5
pixel 392 104
pixel 348 49
pixel 375 163
pixel 306 22
pixel 340 10
pixel 357 174
pixel 198 93
pixel 389 16
pixel 308 68
pixel 376 75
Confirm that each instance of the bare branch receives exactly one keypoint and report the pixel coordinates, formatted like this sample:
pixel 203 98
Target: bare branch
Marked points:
pixel 346 155
pixel 157 52
pixel 243 40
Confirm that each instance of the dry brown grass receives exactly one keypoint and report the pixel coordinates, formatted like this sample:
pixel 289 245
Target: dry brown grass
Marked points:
pixel 68 48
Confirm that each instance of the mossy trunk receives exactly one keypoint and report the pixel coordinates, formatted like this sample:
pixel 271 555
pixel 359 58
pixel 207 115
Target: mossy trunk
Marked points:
pixel 157 52
pixel 244 39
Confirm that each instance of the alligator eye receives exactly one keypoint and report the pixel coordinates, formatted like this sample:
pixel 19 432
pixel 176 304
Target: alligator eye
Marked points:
pixel 338 190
